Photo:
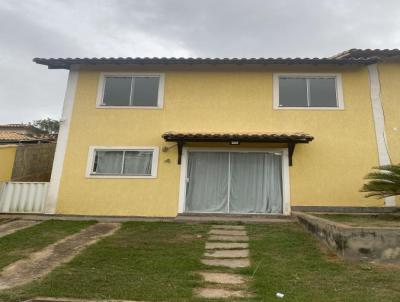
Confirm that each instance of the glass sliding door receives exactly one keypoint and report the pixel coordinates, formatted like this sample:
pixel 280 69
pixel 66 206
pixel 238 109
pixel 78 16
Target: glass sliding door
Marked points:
pixel 234 182
pixel 256 183
pixel 207 188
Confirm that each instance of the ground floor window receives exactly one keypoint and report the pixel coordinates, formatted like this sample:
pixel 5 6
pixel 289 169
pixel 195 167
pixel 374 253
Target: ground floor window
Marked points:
pixel 123 162
pixel 234 182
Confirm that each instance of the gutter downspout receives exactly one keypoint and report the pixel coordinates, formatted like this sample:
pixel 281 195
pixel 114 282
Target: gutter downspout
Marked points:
pixel 379 123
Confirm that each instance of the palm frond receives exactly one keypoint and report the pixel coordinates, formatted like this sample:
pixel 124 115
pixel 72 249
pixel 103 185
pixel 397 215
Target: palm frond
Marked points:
pixel 384 182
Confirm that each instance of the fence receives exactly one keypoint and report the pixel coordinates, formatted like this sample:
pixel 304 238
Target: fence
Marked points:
pixel 23 197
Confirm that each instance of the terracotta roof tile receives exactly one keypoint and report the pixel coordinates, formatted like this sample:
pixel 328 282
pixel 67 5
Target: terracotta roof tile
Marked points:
pixel 298 137
pixel 13 136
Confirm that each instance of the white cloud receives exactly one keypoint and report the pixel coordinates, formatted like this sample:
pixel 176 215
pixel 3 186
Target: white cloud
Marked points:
pixel 207 28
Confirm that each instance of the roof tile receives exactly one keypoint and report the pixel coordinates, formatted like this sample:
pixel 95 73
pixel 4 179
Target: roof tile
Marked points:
pixel 66 63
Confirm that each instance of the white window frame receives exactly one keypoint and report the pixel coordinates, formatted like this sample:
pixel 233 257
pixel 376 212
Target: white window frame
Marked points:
pixel 102 82
pixel 92 152
pixel 339 90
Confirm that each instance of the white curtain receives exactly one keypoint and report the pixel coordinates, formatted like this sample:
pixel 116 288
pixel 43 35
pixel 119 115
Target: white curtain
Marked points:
pixel 207 188
pixel 108 162
pixel 256 185
pixel 138 163
pixel 254 181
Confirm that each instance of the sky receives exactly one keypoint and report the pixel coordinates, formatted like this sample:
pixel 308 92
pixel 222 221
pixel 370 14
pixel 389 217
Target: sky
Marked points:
pixel 171 28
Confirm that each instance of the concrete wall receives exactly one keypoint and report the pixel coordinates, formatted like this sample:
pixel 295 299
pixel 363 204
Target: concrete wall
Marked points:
pixel 328 171
pixel 7 157
pixel 33 162
pixel 355 243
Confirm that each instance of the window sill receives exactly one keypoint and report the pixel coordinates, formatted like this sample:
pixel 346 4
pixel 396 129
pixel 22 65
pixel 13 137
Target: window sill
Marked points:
pixel 129 107
pixel 308 108
pixel 121 177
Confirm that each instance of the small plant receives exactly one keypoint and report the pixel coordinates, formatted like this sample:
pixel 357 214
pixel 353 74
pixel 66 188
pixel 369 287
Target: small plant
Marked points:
pixel 384 182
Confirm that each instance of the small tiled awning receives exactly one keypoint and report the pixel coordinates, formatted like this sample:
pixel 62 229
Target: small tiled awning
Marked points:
pixel 291 139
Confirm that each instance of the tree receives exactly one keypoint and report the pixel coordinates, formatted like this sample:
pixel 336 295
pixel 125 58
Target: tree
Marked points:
pixel 48 125
pixel 384 182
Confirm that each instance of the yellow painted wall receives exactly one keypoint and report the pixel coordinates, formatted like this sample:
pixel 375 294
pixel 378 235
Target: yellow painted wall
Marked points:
pixel 329 171
pixel 7 157
pixel 389 74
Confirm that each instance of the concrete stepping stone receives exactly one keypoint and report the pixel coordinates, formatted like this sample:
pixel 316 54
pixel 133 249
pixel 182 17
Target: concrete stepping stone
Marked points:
pixel 228 232
pixel 15 225
pixel 44 261
pixel 228 227
pixel 231 263
pixel 226 245
pixel 227 254
pixel 228 238
pixel 222 278
pixel 219 293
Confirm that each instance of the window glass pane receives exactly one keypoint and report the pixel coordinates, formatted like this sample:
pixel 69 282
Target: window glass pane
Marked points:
pixel 145 92
pixel 117 91
pixel 138 162
pixel 292 92
pixel 108 162
pixel 323 92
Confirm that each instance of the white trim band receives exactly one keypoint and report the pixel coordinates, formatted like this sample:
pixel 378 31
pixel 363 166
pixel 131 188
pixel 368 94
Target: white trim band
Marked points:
pixel 379 122
pixel 59 156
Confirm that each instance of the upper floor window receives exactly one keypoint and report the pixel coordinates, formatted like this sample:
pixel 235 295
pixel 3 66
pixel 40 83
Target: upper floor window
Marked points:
pixel 299 91
pixel 131 90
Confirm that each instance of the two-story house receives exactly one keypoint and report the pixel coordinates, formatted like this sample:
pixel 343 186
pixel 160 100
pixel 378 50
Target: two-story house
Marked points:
pixel 162 136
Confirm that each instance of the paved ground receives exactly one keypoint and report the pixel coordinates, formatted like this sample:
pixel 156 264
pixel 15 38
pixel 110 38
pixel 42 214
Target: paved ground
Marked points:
pixel 15 225
pixel 227 247
pixel 42 262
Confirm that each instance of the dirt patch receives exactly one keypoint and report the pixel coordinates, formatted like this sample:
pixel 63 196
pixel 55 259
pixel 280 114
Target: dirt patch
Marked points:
pixel 15 225
pixel 42 262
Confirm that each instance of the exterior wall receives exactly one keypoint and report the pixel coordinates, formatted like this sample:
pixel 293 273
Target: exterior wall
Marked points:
pixel 7 157
pixel 389 74
pixel 328 171
pixel 33 162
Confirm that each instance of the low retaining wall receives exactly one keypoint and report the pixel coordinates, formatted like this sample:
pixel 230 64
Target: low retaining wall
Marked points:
pixel 345 210
pixel 355 243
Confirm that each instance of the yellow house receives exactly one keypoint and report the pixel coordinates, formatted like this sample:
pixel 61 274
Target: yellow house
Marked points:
pixel 7 158
pixel 158 137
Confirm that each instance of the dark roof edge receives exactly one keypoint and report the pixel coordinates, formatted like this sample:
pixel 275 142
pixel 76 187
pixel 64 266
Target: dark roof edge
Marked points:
pixel 358 53
pixel 66 63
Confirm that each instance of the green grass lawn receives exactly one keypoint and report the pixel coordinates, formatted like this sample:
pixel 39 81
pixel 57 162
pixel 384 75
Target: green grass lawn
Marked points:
pixel 154 261
pixel 289 261
pixel 142 261
pixel 368 220
pixel 21 243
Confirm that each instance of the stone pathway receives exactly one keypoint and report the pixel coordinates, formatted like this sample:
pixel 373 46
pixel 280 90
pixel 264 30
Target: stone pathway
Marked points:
pixel 10 227
pixel 227 247
pixel 44 261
